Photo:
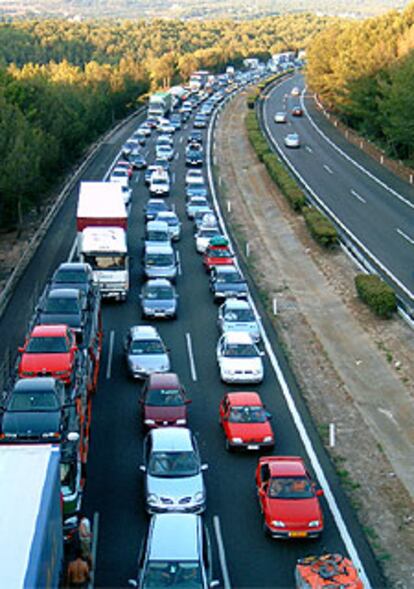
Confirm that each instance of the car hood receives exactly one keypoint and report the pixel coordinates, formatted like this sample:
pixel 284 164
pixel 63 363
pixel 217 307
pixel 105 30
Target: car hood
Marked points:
pixel 161 304
pixel 44 363
pixel 164 413
pixel 295 512
pixel 235 326
pixel 175 488
pixel 150 362
pixel 244 364
pixel 30 423
pixel 237 287
pixel 73 320
pixel 249 431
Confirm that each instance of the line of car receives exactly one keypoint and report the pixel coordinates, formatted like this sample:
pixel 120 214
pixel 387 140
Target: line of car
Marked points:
pixel 291 140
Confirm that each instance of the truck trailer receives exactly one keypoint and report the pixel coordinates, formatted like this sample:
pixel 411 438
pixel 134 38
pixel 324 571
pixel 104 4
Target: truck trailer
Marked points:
pixel 101 204
pixel 159 104
pixel 31 534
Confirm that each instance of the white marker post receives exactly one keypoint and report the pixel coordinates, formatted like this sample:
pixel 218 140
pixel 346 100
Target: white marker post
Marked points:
pixel 247 249
pixel 331 435
pixel 274 306
pixel 228 206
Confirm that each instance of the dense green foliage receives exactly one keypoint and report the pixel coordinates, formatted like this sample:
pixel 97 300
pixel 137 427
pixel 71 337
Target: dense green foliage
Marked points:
pixel 367 76
pixel 378 295
pixel 320 227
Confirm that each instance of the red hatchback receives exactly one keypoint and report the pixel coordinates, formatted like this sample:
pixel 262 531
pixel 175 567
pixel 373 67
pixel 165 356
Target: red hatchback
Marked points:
pixel 163 401
pixel 245 422
pixel 217 253
pixel 50 350
pixel 288 498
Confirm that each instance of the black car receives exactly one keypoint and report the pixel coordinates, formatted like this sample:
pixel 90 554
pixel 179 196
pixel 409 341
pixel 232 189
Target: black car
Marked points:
pixel 74 275
pixel 195 137
pixel 226 281
pixel 153 207
pixel 138 161
pixel 35 410
pixel 67 306
pixel 194 155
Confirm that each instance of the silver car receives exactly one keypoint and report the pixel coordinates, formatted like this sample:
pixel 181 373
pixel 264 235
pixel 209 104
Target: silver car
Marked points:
pixel 173 472
pixel 173 222
pixel 145 351
pixel 160 262
pixel 292 140
pixel 159 299
pixel 237 315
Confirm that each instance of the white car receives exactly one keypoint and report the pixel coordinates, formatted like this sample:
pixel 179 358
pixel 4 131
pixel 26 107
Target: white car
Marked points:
pixel 203 236
pixel 194 177
pixel 239 360
pixel 292 140
pixel 295 91
pixel 164 152
pixel 235 316
pixel 118 174
pixel 159 183
pixel 144 130
pixel 280 117
pixel 166 128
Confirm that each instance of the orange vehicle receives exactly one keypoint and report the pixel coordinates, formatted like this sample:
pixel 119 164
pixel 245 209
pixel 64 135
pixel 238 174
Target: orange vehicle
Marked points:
pixel 329 570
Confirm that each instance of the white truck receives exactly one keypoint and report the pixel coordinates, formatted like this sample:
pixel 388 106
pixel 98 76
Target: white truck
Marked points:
pixel 159 104
pixel 102 241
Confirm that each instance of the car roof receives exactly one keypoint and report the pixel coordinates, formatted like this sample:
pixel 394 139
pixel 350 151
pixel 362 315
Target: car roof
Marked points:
pixel 166 544
pixel 64 293
pixel 38 383
pixel 158 282
pixel 157 225
pixel 245 398
pixel 171 439
pixel 163 379
pixel 167 214
pixel 240 337
pixel 226 269
pixel 49 331
pixel 159 249
pixel 73 266
pixel 285 466
pixel 237 304
pixel 144 332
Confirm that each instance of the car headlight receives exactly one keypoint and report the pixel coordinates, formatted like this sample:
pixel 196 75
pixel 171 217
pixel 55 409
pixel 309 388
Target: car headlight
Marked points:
pixel 268 439
pixel 228 371
pixel 149 422
pixel 199 497
pixel 278 524
pixel 180 421
pixel 314 523
pixel 152 499
pixel 237 441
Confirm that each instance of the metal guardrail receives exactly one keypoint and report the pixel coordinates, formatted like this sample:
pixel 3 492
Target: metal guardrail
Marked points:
pixel 358 255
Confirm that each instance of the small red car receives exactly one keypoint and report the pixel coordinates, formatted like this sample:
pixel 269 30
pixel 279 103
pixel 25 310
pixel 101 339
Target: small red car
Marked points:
pixel 245 422
pixel 217 253
pixel 50 350
pixel 297 111
pixel 288 498
pixel 164 401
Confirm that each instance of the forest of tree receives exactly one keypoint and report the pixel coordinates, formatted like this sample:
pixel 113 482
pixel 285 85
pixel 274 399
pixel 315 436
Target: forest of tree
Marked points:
pixel 63 83
pixel 367 77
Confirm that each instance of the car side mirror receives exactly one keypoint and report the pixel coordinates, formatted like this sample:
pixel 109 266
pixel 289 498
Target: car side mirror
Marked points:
pixel 142 468
pixel 319 493
pixel 188 401
pixel 214 583
pixel 73 437
pixel 269 415
pixel 21 349
pixel 132 583
pixel 204 467
pixel 261 353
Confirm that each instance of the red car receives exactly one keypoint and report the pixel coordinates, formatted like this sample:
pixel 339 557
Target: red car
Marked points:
pixel 297 111
pixel 245 422
pixel 217 253
pixel 50 350
pixel 163 401
pixel 288 498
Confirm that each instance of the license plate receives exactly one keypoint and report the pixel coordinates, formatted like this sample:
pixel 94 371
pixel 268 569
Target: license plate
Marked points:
pixel 253 447
pixel 298 534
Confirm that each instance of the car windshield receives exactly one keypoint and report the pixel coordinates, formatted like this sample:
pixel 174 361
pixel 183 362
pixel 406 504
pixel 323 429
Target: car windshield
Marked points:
pixel 155 235
pixel 290 488
pixel 248 414
pixel 198 202
pixel 156 293
pixel 142 347
pixel 33 401
pixel 180 575
pixel 109 262
pixel 70 276
pixel 209 233
pixel 173 464
pixel 159 260
pixel 62 306
pixel 156 206
pixel 119 173
pixel 240 351
pixel 219 252
pixel 160 181
pixel 239 315
pixel 229 277
pixel 47 345
pixel 164 398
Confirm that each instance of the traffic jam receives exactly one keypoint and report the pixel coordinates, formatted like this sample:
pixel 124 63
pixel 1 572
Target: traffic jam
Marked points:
pixel 50 398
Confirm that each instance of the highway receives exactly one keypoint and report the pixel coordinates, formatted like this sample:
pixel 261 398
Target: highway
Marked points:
pixel 242 554
pixel 375 206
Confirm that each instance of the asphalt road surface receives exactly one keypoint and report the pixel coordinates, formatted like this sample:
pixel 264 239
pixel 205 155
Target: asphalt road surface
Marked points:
pixel 380 214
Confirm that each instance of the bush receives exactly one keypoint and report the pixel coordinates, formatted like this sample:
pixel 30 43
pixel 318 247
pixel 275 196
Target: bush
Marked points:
pixel 375 293
pixel 252 98
pixel 284 181
pixel 320 227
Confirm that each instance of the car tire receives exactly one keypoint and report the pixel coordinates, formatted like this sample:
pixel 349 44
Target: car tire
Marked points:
pixel 229 448
pixel 266 531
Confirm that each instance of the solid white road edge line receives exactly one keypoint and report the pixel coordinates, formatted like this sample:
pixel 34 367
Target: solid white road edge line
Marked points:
pixel 358 196
pixel 325 207
pixel 73 250
pixel 350 159
pixel 178 257
pixel 405 236
pixel 221 552
pixel 297 419
pixel 191 357
pixel 110 354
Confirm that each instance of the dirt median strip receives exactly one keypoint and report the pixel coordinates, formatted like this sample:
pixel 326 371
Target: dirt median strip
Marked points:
pixel 354 371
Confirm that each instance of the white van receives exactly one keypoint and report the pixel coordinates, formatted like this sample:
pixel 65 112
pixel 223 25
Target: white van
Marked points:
pixel 159 183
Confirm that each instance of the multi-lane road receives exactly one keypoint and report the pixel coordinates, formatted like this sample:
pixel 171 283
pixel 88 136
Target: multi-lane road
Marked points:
pixel 374 207
pixel 114 485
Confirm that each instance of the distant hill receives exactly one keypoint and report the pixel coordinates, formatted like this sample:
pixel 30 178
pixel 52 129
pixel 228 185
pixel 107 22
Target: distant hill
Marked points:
pixel 190 8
